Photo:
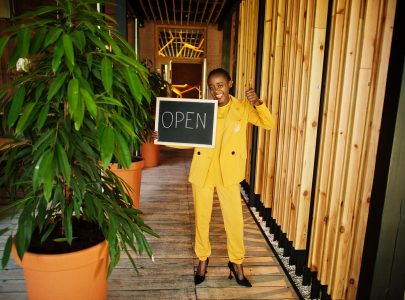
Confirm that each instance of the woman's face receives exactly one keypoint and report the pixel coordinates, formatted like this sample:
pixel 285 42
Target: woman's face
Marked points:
pixel 219 87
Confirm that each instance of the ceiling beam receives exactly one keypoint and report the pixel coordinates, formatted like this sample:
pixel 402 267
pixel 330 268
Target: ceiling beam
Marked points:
pixel 212 10
pixel 203 13
pixel 228 8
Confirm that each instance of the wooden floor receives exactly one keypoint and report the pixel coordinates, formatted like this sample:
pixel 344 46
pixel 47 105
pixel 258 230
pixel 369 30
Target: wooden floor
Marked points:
pixel 166 201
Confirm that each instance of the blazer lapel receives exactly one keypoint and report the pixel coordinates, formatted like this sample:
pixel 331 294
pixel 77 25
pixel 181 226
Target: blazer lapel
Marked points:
pixel 232 120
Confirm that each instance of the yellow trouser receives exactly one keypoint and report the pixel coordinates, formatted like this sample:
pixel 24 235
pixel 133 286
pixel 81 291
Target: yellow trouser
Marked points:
pixel 231 207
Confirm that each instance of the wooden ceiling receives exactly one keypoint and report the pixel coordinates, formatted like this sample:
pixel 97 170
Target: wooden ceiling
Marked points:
pixel 182 12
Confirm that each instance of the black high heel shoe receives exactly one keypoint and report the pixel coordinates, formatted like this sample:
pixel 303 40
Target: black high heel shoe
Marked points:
pixel 243 282
pixel 200 278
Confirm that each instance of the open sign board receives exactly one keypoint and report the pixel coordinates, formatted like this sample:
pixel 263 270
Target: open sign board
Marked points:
pixel 186 122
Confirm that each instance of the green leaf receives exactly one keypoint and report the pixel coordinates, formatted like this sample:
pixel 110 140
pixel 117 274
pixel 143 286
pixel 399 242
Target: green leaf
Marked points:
pixel 57 56
pixel 44 140
pixel 52 36
pixel 134 84
pixel 107 146
pixel 68 223
pixel 111 42
pixel 73 95
pixel 48 232
pixel 79 40
pixel 63 162
pixel 69 52
pixel 43 114
pixel 39 90
pixel 41 11
pixel 4 230
pixel 12 61
pixel 107 74
pixel 79 114
pixel 16 105
pixel 3 42
pixel 63 239
pixel 25 117
pixel 96 41
pixel 7 251
pixel 56 85
pixel 125 125
pixel 90 26
pixel 41 168
pixel 110 101
pixel 48 175
pixel 90 103
pixel 123 148
pixel 38 40
pixel 23 41
pixel 89 60
pixel 48 181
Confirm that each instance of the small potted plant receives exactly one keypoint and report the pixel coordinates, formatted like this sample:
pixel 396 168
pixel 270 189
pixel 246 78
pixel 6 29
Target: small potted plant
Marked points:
pixel 77 102
pixel 150 152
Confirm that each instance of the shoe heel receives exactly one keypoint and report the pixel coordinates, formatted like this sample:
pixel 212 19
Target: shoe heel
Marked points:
pixel 230 275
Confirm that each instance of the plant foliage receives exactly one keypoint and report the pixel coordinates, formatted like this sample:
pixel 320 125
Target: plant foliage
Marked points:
pixel 79 100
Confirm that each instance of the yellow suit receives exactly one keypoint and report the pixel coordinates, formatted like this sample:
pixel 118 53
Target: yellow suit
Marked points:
pixel 223 168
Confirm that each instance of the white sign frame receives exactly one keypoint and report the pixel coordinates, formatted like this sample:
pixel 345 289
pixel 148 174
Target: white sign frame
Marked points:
pixel 214 125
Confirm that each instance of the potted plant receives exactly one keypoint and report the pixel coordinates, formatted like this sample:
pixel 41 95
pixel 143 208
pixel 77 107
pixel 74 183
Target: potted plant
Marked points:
pixel 131 176
pixel 77 101
pixel 150 152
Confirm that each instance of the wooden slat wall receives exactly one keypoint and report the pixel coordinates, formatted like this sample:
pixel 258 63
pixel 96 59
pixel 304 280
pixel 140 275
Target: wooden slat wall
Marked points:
pixel 359 51
pixel 293 71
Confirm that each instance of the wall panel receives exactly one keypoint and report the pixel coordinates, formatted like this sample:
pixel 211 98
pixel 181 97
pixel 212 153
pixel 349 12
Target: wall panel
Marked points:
pixel 329 55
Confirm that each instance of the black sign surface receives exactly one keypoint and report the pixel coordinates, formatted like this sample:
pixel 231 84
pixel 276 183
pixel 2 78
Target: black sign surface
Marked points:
pixel 186 122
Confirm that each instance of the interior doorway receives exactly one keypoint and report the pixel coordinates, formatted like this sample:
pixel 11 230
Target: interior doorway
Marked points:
pixel 186 80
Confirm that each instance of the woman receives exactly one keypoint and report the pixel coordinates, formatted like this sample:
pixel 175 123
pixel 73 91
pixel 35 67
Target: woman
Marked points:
pixel 223 168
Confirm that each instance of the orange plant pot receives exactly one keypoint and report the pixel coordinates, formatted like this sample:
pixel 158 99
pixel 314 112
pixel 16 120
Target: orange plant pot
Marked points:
pixel 150 152
pixel 132 177
pixel 79 275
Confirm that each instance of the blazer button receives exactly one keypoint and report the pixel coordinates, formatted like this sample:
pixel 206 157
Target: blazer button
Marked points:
pixel 233 152
pixel 198 152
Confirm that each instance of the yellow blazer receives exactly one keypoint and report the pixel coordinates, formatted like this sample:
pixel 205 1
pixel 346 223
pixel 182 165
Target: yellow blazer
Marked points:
pixel 233 148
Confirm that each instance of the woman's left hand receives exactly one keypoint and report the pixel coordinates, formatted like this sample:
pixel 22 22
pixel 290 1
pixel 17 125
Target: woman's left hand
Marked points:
pixel 252 97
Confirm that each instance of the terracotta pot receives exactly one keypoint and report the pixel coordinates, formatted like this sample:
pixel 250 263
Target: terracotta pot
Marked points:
pixel 150 152
pixel 79 275
pixel 132 177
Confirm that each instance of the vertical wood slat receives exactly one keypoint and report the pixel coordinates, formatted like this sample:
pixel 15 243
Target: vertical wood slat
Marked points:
pixel 268 177
pixel 246 61
pixel 263 135
pixel 325 165
pixel 276 93
pixel 295 153
pixel 286 116
pixel 253 15
pixel 291 91
pixel 340 132
pixel 311 125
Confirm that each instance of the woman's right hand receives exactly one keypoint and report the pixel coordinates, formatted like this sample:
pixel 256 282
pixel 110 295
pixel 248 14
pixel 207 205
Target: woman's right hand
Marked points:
pixel 155 135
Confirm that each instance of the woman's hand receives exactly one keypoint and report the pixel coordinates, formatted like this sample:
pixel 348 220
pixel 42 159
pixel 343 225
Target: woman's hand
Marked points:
pixel 155 135
pixel 251 96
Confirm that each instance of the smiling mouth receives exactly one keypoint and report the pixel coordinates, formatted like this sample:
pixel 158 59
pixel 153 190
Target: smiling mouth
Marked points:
pixel 219 96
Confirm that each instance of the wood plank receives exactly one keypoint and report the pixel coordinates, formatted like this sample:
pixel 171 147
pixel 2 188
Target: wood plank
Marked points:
pixel 335 183
pixel 236 293
pixel 327 136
